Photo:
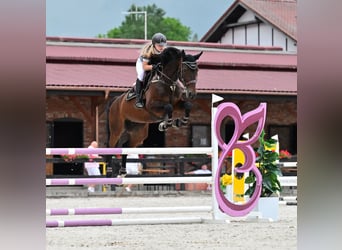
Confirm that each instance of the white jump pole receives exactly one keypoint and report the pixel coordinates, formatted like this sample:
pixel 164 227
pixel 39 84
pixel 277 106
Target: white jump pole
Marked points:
pixel 117 222
pixel 113 151
pixel 128 210
pixel 122 181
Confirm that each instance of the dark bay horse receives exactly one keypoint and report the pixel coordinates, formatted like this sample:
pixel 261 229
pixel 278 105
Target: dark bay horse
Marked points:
pixel 128 125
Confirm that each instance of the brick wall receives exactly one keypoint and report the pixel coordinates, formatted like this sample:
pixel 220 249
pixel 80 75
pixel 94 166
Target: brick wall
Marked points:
pixel 279 112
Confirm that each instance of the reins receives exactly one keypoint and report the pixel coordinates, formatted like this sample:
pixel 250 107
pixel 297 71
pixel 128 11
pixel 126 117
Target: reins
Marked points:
pixel 172 83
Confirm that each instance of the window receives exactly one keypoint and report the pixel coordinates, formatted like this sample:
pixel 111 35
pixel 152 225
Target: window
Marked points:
pixel 200 136
pixel 49 130
pixel 287 135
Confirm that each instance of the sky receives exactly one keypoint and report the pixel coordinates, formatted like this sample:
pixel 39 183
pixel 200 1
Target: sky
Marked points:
pixel 88 18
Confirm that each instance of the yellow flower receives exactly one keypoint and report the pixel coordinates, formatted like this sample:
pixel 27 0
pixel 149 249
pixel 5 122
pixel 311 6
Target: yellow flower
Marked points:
pixel 226 179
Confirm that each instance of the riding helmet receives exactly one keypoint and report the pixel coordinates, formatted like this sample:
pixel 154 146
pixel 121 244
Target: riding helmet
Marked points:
pixel 159 39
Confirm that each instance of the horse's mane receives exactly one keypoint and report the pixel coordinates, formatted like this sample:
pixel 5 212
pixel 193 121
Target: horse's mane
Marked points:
pixel 168 55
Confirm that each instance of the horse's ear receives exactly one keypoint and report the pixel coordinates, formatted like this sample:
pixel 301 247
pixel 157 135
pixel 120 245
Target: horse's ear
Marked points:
pixel 183 53
pixel 198 55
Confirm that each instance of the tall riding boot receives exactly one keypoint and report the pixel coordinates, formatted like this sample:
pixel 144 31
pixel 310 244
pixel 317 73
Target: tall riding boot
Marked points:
pixel 138 89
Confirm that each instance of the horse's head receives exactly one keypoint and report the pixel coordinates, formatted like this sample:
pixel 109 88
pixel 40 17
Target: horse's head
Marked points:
pixel 188 74
pixel 170 60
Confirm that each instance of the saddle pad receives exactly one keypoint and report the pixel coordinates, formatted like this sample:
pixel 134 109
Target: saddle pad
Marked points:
pixel 131 94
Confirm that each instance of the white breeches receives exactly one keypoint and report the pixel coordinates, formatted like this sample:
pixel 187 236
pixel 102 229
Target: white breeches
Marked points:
pixel 140 69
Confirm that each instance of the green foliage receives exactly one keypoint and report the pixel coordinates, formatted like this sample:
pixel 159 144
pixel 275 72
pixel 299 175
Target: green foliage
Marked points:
pixel 133 26
pixel 266 162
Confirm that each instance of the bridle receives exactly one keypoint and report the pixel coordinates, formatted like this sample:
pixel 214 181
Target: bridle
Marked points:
pixel 188 65
pixel 172 84
pixel 168 80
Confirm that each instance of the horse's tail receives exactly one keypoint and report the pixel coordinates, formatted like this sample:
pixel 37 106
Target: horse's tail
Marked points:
pixel 108 106
pixel 108 158
pixel 115 167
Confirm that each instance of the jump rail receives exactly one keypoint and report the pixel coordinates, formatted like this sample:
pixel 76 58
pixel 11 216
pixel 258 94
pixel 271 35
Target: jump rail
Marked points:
pixel 121 181
pixel 115 151
pixel 113 222
pixel 118 210
pixel 284 180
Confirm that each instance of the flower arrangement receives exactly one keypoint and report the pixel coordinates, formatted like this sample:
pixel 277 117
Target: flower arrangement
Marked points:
pixel 225 180
pixel 284 154
pixel 69 158
pixel 266 162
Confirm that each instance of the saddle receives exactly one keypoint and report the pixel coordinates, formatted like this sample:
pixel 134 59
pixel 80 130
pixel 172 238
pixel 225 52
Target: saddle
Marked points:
pixel 131 93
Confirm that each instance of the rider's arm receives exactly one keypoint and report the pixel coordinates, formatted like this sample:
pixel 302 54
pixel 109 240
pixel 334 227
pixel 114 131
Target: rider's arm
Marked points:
pixel 146 66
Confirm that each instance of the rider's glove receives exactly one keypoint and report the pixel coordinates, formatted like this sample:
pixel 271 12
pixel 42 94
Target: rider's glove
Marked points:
pixel 155 66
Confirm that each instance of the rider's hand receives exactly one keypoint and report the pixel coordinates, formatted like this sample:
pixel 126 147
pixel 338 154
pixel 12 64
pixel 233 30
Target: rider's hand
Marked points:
pixel 155 66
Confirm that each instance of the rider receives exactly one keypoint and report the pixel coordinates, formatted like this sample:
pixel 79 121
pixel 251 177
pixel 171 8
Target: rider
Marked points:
pixel 157 45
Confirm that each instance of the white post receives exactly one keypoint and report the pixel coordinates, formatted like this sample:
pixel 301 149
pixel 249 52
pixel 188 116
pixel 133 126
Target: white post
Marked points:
pixel 145 13
pixel 217 214
pixel 145 19
pixel 97 123
pixel 275 137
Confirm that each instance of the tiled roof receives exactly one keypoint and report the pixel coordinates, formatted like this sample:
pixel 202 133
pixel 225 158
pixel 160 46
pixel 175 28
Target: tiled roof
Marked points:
pixel 280 13
pixel 96 66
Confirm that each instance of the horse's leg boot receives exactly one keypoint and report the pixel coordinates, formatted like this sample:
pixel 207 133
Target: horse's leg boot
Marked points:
pixel 138 89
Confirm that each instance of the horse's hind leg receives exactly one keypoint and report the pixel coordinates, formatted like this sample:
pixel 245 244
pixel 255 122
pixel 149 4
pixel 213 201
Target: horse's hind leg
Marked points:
pixel 122 171
pixel 116 132
pixel 138 134
pixel 116 129
pixel 133 137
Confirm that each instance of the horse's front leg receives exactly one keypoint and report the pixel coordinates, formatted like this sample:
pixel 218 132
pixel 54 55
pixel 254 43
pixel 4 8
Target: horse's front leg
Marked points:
pixel 185 119
pixel 167 123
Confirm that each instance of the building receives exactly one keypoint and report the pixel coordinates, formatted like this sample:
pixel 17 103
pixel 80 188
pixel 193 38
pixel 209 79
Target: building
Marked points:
pixel 258 23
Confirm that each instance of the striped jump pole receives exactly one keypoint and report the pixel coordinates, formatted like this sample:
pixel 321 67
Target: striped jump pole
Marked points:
pixel 122 181
pixel 117 222
pixel 116 151
pixel 134 210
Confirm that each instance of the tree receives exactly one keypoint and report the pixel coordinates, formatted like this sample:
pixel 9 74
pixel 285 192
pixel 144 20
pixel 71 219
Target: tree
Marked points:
pixel 133 26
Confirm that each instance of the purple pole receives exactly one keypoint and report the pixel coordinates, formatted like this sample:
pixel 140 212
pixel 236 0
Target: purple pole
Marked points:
pixel 85 181
pixel 84 211
pixel 83 151
pixel 108 222
pixel 79 223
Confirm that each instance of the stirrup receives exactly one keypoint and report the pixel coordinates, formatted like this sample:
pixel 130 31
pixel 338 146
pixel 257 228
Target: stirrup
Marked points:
pixel 139 104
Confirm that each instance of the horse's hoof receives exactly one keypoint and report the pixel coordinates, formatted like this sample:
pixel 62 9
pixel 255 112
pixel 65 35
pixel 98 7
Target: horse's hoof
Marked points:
pixel 162 127
pixel 119 176
pixel 123 173
pixel 184 123
pixel 176 123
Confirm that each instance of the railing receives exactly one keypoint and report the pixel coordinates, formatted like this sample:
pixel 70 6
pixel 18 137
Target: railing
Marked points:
pixel 171 166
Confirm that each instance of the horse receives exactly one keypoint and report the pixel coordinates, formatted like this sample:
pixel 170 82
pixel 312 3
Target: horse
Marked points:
pixel 128 125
